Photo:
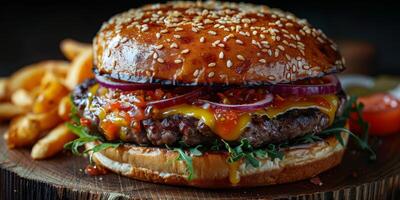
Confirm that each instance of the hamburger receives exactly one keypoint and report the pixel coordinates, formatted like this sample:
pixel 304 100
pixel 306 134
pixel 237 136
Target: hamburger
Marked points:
pixel 212 94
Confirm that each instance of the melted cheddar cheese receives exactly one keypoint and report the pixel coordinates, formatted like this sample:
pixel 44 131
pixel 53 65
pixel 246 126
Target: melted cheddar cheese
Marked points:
pixel 234 173
pixel 325 103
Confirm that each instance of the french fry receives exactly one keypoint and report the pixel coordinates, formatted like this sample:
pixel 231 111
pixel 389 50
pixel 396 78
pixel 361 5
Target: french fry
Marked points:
pixel 71 48
pixel 30 76
pixel 22 99
pixel 81 69
pixel 64 108
pixel 3 89
pixel 9 110
pixel 52 91
pixel 52 143
pixel 26 130
pixel 22 132
pixel 46 120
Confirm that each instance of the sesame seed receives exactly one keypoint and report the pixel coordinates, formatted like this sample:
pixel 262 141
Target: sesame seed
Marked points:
pixel 215 43
pixel 276 53
pixel 221 45
pixel 164 31
pixel 306 67
pixel 271 77
pixel 158 35
pixel 160 60
pixel 221 55
pixel 177 61
pixel 144 29
pixel 262 61
pixel 320 40
pixel 239 41
pixel 159 46
pixel 177 36
pixel 211 74
pixel 229 63
pixel 178 29
pixel 281 47
pixel 269 52
pixel 240 57
pixel 194 29
pixel 174 45
pixel 212 32
pixel 226 38
pixel 196 73
pixel 185 51
pixel 288 76
pixel 213 64
pixel 155 55
pixel 208 21
pixel 124 40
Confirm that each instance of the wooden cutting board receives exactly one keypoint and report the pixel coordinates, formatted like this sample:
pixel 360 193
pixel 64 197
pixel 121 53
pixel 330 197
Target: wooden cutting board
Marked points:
pixel 63 178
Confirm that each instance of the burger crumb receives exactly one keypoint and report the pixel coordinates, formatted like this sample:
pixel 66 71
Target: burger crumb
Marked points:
pixel 316 181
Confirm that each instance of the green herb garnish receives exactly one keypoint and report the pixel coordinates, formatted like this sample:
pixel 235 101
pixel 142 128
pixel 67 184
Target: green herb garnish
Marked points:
pixel 249 154
pixel 339 126
pixel 188 161
pixel 84 136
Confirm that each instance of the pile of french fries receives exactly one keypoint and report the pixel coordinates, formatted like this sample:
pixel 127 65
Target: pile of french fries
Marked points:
pixel 36 100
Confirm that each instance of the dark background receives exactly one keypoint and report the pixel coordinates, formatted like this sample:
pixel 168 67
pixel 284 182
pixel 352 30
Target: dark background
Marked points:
pixel 31 32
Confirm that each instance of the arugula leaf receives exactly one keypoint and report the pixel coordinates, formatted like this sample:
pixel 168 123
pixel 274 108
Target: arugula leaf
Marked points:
pixel 81 132
pixel 274 152
pixel 249 154
pixel 340 123
pixel 339 138
pixel 74 112
pixel 251 159
pixel 102 146
pixel 308 138
pixel 83 138
pixel 216 145
pixel 188 160
pixel 195 151
pixel 363 144
pixel 259 153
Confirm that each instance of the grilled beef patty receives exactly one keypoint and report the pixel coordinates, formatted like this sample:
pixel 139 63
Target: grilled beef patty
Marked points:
pixel 192 131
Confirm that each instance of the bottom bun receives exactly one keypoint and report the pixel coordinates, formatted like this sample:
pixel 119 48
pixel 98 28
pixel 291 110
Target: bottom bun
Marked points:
pixel 211 170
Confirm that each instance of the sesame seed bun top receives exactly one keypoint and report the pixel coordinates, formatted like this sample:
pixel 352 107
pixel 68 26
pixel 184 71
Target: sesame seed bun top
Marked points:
pixel 212 43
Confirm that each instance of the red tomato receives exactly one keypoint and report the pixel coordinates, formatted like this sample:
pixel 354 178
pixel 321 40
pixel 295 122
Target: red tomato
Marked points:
pixel 85 122
pixel 382 112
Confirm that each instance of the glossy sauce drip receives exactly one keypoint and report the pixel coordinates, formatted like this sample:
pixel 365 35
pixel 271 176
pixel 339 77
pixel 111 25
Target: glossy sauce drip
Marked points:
pixel 94 170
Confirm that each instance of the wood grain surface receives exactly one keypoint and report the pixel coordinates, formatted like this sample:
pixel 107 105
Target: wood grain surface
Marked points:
pixel 63 178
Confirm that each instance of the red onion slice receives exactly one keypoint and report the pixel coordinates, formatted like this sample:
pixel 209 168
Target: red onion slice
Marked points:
pixel 242 107
pixel 181 99
pixel 331 87
pixel 108 83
